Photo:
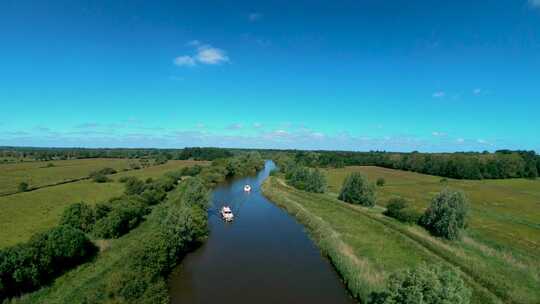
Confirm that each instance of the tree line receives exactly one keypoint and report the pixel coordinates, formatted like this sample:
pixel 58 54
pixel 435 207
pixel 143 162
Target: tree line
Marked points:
pixel 460 165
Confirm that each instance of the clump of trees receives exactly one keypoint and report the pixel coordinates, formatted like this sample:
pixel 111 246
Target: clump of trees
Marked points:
pixel 100 176
pixel 399 209
pixel 425 284
pixel 358 190
pixel 28 266
pixel 23 187
pixel 447 215
pixel 307 179
pixel 381 181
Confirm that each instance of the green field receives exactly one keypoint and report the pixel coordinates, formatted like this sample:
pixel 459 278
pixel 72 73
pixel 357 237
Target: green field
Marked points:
pixel 38 173
pixel 365 246
pixel 504 213
pixel 24 214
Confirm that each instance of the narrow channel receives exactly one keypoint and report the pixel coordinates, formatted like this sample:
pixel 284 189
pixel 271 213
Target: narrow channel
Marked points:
pixel 264 256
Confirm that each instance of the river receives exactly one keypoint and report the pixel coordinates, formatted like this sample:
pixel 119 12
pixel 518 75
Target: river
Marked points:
pixel 264 256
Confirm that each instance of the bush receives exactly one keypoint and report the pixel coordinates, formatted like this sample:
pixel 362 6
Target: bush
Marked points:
pixel 357 190
pixel 125 215
pixel 26 267
pixel 134 186
pixel 191 192
pixel 447 214
pixel 80 216
pixel 425 284
pixel 23 187
pixel 398 208
pixel 380 182
pixel 310 180
pixel 107 171
pixel 99 178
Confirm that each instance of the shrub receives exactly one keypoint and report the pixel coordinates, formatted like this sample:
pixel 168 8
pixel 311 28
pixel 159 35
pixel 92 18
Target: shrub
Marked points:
pixel 425 284
pixel 28 266
pixel 23 187
pixel 398 208
pixel 125 215
pixel 191 192
pixel 447 214
pixel 302 178
pixel 357 190
pixel 107 171
pixel 134 186
pixel 99 178
pixel 380 182
pixel 80 216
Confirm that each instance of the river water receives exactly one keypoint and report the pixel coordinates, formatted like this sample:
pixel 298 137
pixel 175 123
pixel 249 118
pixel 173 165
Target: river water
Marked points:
pixel 264 256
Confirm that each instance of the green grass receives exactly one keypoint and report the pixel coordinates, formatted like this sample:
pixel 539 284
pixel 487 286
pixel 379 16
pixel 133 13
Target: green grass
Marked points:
pixel 37 174
pixel 24 214
pixel 504 213
pixel 366 246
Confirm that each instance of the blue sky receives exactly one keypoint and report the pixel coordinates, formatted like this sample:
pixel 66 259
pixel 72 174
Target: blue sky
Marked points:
pixel 351 75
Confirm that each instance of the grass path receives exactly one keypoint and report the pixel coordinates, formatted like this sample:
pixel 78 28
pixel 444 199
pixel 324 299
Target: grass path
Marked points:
pixel 366 246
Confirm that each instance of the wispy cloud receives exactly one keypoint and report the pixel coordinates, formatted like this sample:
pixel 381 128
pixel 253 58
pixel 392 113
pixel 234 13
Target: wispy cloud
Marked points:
pixel 204 54
pixel 438 134
pixel 257 125
pixel 478 91
pixel 235 126
pixel 253 17
pixel 439 94
pixel 184 61
pixel 534 3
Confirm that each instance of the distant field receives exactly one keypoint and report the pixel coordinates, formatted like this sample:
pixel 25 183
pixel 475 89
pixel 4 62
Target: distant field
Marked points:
pixel 366 246
pixel 504 213
pixel 24 214
pixel 38 174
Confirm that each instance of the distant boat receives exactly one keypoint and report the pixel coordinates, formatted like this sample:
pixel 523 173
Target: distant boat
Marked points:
pixel 226 214
pixel 247 188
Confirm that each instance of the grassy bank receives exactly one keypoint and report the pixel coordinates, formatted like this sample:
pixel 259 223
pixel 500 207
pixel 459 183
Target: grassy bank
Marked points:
pixel 366 246
pixel 24 214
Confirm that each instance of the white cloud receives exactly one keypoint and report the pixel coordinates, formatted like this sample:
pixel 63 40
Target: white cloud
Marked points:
pixel 257 125
pixel 235 126
pixel 534 3
pixel 460 140
pixel 184 61
pixel 479 91
pixel 439 94
pixel 481 141
pixel 253 17
pixel 210 55
pixel 437 133
pixel 205 54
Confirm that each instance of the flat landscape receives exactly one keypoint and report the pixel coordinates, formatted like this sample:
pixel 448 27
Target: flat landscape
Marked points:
pixel 39 173
pixel 498 258
pixel 26 213
pixel 504 213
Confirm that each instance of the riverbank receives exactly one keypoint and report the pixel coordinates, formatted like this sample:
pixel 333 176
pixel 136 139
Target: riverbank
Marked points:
pixel 365 247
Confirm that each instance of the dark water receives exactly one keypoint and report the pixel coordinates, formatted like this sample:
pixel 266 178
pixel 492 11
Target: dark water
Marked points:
pixel 264 256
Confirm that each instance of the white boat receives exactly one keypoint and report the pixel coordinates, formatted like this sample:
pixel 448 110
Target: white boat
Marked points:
pixel 247 188
pixel 226 213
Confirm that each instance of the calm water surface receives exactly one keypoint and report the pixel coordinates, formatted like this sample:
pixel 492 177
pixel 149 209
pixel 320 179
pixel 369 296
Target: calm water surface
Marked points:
pixel 264 256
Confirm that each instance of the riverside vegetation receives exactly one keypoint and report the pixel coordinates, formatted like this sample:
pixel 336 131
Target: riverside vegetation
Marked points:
pixel 141 235
pixel 370 248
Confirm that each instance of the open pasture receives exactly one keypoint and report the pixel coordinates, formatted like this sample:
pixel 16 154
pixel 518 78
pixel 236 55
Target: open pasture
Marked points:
pixel 23 214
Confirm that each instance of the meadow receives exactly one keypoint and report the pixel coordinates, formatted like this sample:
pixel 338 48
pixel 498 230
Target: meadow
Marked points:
pixel 366 246
pixel 26 213
pixel 40 173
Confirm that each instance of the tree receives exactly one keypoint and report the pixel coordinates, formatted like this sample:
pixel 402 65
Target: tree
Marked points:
pixel 23 187
pixel 357 190
pixel 424 285
pixel 191 192
pixel 398 208
pixel 447 214
pixel 80 216
pixel 380 181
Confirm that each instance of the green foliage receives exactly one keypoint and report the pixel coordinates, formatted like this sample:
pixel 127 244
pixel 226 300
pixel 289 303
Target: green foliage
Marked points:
pixel 100 178
pixel 28 266
pixel 447 214
pixel 398 208
pixel 80 216
pixel 424 285
pixel 23 187
pixel 191 192
pixel 134 186
pixel 126 213
pixel 380 181
pixel 357 190
pixel 307 179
